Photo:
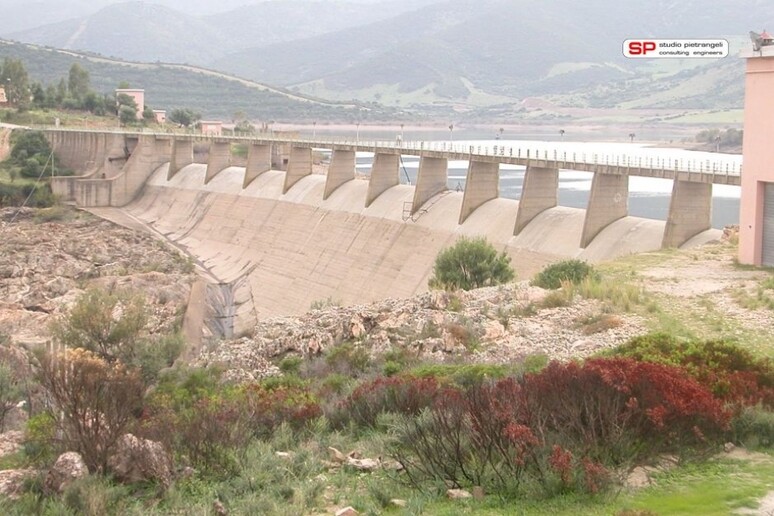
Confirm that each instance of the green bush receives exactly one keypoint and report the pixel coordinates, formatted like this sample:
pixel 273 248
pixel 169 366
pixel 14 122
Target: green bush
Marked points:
pixel 754 427
pixel 462 375
pixel 39 438
pixel 470 263
pixel 732 373
pixel 346 358
pixel 573 271
pixel 27 145
pixel 291 365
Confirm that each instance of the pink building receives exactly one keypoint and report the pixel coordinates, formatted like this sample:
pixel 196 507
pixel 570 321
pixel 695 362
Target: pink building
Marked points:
pixel 213 128
pixel 137 95
pixel 756 217
pixel 161 116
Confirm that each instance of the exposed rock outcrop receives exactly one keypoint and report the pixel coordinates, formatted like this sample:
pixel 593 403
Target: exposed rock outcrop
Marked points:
pixel 137 460
pixel 67 468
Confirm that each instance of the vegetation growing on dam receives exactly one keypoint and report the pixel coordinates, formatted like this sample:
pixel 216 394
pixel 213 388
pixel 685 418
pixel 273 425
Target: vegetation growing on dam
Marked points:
pixel 470 263
pixel 23 176
pixel 394 427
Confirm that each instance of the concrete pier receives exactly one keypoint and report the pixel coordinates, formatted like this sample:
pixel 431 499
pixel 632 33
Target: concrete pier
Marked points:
pixel 431 180
pixel 482 185
pixel 219 159
pixel 539 192
pixel 341 170
pixel 385 173
pixel 258 162
pixel 608 202
pixel 299 166
pixel 690 212
pixel 182 156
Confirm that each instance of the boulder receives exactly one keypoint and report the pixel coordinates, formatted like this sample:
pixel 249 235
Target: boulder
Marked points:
pixel 67 468
pixel 11 442
pixel 368 465
pixel 137 460
pixel 458 494
pixel 12 481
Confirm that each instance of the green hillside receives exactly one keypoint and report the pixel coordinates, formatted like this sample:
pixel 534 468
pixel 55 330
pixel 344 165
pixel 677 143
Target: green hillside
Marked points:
pixel 172 86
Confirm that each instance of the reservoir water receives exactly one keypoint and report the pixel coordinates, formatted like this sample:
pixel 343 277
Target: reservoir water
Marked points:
pixel 648 197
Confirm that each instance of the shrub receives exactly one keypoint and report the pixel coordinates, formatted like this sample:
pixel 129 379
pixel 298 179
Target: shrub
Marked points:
pixel 391 368
pixel 620 410
pixel 97 401
pixel 754 426
pixel 347 358
pixel 39 438
pixel 461 375
pixel 291 364
pixel 732 373
pixel 400 395
pixel 10 390
pixel 213 426
pixel 93 324
pixel 28 144
pixel 562 429
pixel 573 271
pixel 470 263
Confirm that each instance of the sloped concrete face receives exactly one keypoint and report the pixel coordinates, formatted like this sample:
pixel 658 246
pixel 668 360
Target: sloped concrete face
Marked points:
pixel 482 185
pixel 295 249
pixel 539 192
pixel 341 170
pixel 608 202
pixel 219 159
pixel 258 162
pixel 690 212
pixel 299 166
pixel 431 180
pixel 182 156
pixel 385 173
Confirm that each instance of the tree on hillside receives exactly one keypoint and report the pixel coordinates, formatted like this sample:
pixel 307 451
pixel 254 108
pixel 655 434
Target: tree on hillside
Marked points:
pixel 184 117
pixel 13 76
pixel 470 263
pixel 78 82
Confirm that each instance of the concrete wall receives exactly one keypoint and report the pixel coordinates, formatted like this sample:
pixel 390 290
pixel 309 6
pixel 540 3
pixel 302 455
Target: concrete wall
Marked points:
pixel 431 180
pixel 341 170
pixel 182 156
pixel 258 162
pixel 299 166
pixel 149 154
pixel 758 153
pixel 608 202
pixel 482 185
pixel 385 173
pixel 539 192
pixel 218 160
pixel 690 212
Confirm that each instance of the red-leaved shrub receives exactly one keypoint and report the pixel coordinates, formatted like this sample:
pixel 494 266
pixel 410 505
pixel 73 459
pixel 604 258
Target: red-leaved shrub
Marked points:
pixel 396 394
pixel 563 428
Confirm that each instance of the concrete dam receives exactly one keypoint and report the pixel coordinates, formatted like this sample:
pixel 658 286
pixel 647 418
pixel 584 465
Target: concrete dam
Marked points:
pixel 287 237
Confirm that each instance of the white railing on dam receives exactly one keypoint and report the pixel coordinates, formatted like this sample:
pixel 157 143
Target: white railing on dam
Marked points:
pixel 504 152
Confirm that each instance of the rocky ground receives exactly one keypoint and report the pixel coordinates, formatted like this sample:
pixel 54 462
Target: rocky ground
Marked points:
pixel 48 257
pixel 700 292
pixel 490 325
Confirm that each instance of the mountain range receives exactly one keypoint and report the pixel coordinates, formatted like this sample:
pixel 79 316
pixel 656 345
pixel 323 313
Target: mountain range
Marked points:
pixel 461 54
